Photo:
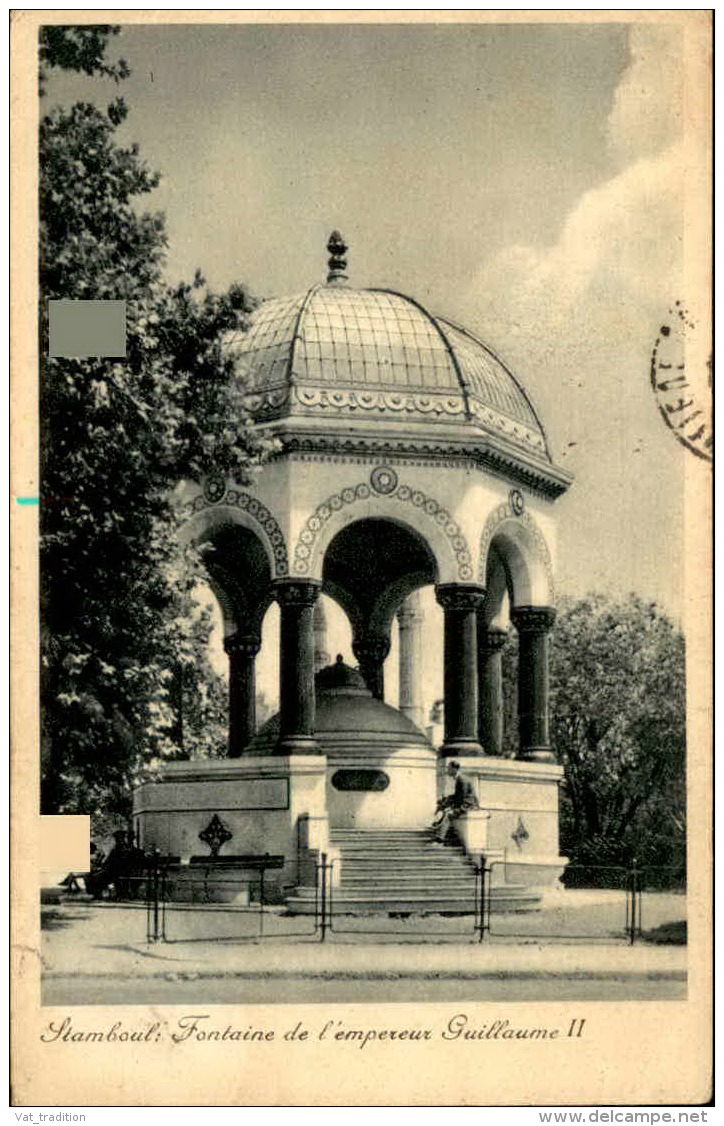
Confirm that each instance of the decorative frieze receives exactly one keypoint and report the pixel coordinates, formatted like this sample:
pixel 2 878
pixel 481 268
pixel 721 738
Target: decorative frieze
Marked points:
pixel 304 550
pixel 499 515
pixel 258 513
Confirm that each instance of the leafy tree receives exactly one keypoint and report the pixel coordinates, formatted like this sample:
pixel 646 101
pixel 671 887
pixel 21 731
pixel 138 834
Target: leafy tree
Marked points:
pixel 117 609
pixel 618 713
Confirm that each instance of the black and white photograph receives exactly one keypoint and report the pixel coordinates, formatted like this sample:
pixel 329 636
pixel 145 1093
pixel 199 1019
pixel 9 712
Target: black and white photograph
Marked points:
pixel 361 485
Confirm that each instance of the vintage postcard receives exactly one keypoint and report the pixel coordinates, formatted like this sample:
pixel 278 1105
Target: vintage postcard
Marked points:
pixel 361 558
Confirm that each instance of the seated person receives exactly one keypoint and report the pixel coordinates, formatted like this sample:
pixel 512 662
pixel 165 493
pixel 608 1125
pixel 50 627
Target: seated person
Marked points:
pixel 460 801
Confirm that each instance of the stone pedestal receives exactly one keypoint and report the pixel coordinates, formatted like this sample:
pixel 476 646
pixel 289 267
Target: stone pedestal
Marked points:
pixel 261 800
pixel 519 801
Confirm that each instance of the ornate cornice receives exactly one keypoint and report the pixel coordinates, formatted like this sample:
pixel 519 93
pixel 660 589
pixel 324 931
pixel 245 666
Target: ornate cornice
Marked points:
pixel 539 477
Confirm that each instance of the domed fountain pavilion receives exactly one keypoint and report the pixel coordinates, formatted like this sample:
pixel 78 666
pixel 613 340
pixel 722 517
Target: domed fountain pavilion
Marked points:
pixel 409 455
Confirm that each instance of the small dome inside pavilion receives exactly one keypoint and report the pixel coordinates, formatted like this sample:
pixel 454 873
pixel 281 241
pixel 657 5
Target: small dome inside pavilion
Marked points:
pixel 348 717
pixel 346 353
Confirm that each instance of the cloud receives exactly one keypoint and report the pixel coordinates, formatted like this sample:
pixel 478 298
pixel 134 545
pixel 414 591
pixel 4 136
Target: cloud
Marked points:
pixel 617 262
pixel 646 116
pixel 577 321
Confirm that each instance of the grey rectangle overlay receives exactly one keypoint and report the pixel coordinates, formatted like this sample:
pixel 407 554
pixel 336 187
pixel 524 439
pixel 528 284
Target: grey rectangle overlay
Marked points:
pixel 79 329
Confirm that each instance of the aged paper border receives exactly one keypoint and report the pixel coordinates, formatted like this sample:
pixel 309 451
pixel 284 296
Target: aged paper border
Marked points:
pixel 634 1053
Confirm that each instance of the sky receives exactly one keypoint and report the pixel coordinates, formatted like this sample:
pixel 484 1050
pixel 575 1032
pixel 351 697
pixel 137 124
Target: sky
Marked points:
pixel 525 180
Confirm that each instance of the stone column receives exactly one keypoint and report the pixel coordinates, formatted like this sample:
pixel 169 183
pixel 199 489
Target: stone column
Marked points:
pixel 490 687
pixel 460 603
pixel 296 598
pixel 533 624
pixel 371 649
pixel 321 654
pixel 242 650
pixel 409 620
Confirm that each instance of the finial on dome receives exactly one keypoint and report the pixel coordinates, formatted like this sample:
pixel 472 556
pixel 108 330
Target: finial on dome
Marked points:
pixel 338 262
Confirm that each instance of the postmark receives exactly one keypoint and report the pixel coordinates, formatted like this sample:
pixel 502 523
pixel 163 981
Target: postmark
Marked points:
pixel 681 378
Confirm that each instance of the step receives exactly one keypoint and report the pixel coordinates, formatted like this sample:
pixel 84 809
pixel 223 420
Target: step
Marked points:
pixel 513 902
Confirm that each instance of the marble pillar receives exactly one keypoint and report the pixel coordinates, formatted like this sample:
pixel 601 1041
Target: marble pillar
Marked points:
pixel 409 620
pixel 242 650
pixel 460 603
pixel 533 624
pixel 490 687
pixel 296 598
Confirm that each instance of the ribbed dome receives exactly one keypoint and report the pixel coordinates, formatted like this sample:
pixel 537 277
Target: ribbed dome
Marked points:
pixel 341 352
pixel 348 717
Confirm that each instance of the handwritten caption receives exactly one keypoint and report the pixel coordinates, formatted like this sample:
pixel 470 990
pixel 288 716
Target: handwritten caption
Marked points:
pixel 200 1028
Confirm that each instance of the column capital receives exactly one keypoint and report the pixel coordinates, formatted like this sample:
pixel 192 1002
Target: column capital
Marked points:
pixel 533 619
pixel 297 592
pixel 242 645
pixel 409 616
pixel 371 646
pixel 491 640
pixel 460 596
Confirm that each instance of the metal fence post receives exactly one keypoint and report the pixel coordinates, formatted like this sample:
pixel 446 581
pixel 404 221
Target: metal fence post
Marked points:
pixel 323 912
pixel 483 873
pixel 634 914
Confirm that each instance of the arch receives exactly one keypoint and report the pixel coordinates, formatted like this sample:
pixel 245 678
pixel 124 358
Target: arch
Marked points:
pixel 400 504
pixel 202 516
pixel 513 540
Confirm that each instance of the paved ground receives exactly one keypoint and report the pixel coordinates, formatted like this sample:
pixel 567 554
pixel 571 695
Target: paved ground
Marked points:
pixel 98 953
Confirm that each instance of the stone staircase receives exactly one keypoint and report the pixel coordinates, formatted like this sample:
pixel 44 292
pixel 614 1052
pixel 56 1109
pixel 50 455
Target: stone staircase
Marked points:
pixel 391 871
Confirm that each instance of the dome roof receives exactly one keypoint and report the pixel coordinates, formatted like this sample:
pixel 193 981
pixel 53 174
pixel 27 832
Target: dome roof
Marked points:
pixel 348 718
pixel 346 353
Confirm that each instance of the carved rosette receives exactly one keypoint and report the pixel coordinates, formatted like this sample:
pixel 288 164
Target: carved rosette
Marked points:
pixel 533 619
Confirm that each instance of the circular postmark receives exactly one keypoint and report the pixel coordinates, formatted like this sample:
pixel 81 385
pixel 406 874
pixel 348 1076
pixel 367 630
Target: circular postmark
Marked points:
pixel 681 378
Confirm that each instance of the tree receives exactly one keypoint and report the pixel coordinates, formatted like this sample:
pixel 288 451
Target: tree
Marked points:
pixel 618 716
pixel 618 710
pixel 118 615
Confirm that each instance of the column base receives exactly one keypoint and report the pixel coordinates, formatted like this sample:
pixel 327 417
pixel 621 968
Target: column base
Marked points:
pixel 297 745
pixel 536 754
pixel 461 748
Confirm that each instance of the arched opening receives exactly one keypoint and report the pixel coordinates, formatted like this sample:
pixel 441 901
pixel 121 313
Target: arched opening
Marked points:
pixel 513 631
pixel 239 574
pixel 370 567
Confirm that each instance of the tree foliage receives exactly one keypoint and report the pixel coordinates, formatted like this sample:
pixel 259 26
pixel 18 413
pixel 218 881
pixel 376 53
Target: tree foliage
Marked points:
pixel 118 614
pixel 618 713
